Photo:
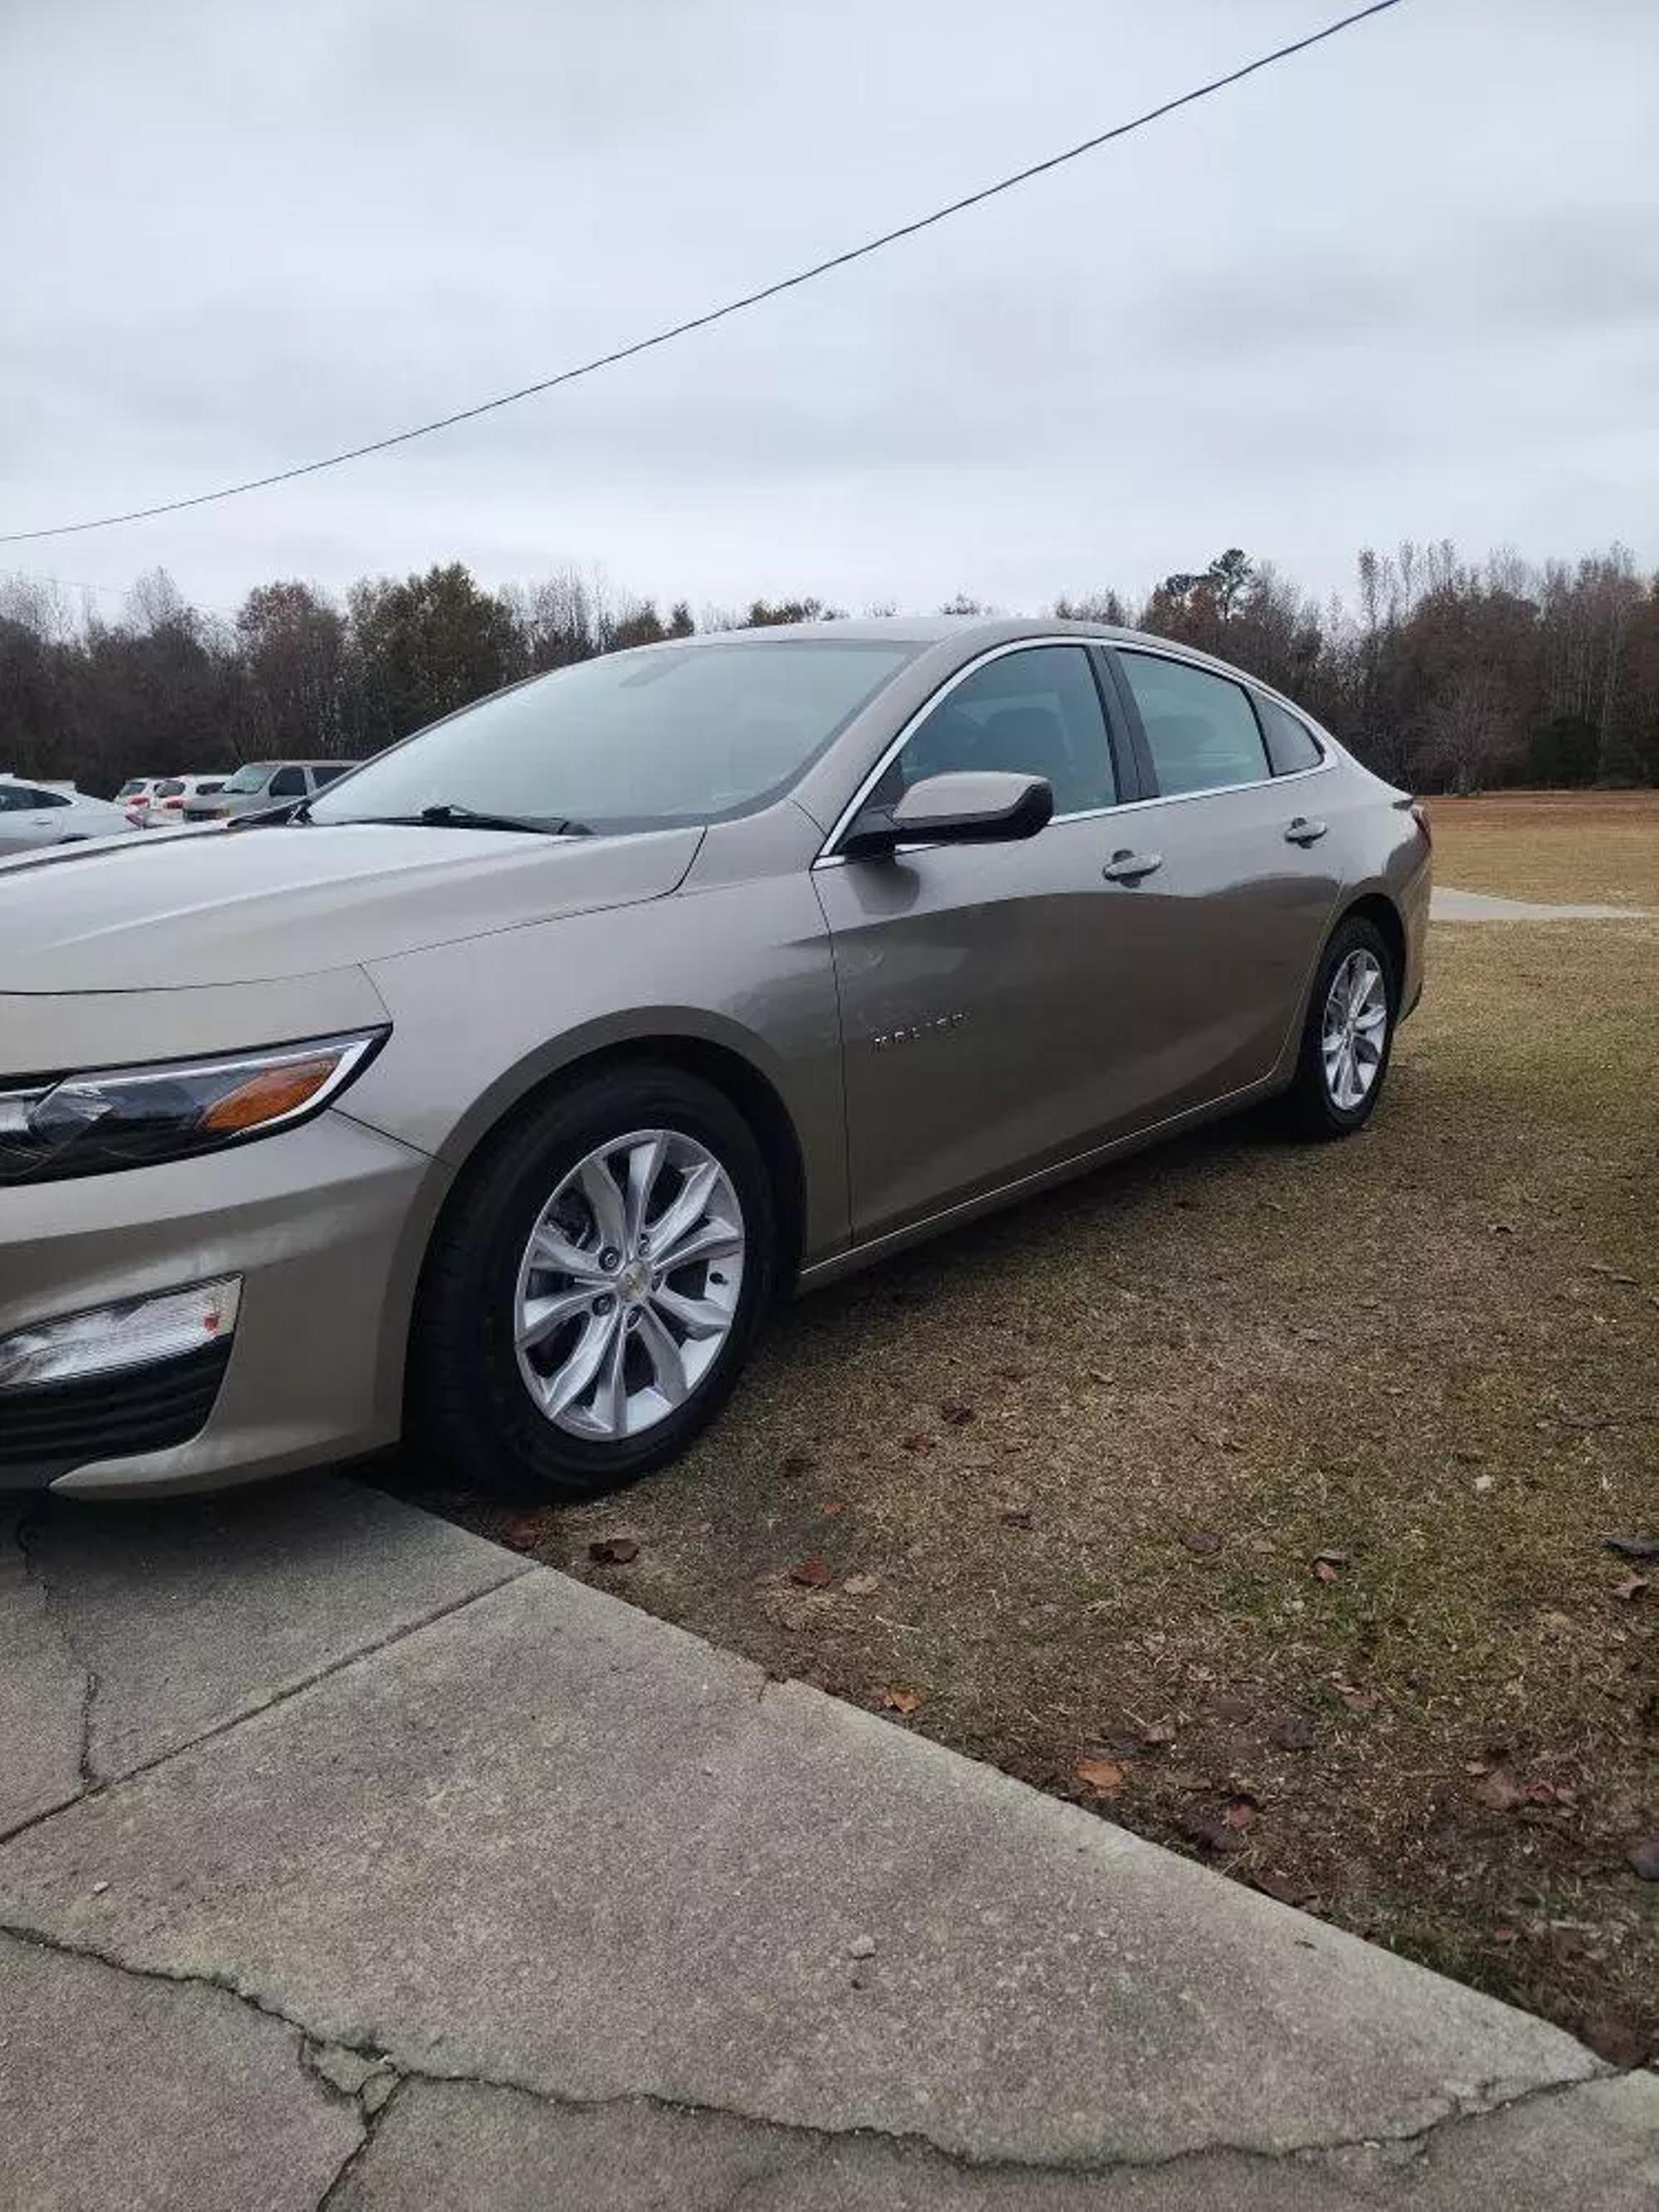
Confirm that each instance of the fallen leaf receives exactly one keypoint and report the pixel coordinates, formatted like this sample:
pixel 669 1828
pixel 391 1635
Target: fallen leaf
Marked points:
pixel 1644 1858
pixel 1015 1516
pixel 1631 1588
pixel 1485 1482
pixel 1103 1775
pixel 1209 1833
pixel 919 1444
pixel 1633 1547
pixel 832 1506
pixel 1506 1934
pixel 1499 1790
pixel 811 1574
pixel 1156 1733
pixel 1295 1732
pixel 613 1551
pixel 1015 1374
pixel 1204 1541
pixel 1538 1793
pixel 900 1701
pixel 1333 1559
pixel 1324 1572
pixel 1242 1813
pixel 956 1411
pixel 861 1585
pixel 524 1534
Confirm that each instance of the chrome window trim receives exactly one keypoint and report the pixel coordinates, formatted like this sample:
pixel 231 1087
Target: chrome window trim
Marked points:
pixel 828 858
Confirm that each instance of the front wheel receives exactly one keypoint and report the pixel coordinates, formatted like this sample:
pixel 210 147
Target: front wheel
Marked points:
pixel 1348 1035
pixel 594 1289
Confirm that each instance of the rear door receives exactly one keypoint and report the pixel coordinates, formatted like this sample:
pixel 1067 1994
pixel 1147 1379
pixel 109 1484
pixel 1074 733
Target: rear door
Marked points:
pixel 1246 882
pixel 988 994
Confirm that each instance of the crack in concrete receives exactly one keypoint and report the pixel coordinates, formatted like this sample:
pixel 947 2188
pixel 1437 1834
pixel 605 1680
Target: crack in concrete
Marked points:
pixel 91 1682
pixel 1468 2107
pixel 356 2157
pixel 98 1785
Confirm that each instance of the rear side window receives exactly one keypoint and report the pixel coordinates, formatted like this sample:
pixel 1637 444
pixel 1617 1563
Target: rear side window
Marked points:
pixel 1033 713
pixel 288 783
pixel 1200 729
pixel 1292 744
pixel 325 771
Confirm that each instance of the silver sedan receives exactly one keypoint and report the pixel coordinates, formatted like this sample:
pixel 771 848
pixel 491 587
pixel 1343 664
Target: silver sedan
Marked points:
pixel 490 1096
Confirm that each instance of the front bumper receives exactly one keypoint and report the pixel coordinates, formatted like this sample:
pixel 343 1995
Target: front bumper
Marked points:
pixel 325 1224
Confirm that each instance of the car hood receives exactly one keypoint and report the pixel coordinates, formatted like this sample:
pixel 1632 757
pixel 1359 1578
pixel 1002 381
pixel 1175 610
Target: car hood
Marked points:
pixel 244 906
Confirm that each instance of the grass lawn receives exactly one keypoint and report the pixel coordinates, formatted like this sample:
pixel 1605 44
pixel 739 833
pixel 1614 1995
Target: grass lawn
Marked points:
pixel 1255 1495
pixel 1587 847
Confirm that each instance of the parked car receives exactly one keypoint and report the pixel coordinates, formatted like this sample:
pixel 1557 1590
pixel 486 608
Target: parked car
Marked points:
pixel 134 796
pixel 32 814
pixel 530 1065
pixel 261 785
pixel 171 794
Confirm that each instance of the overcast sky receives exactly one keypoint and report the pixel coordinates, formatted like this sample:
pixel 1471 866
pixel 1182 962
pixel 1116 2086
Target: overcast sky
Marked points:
pixel 1406 284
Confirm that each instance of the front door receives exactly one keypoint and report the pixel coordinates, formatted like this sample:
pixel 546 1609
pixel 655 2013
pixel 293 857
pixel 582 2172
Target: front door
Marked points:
pixel 990 1013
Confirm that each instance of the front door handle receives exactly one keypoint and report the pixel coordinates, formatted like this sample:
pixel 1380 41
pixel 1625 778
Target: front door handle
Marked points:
pixel 1126 867
pixel 1303 832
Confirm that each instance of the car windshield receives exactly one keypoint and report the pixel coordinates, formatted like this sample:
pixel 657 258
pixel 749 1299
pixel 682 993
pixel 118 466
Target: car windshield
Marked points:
pixel 633 741
pixel 134 783
pixel 253 777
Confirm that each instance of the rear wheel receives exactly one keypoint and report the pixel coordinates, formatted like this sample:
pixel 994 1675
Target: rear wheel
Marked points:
pixel 1348 1034
pixel 595 1288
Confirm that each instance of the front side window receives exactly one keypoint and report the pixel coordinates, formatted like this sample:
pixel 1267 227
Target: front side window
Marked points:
pixel 638 740
pixel 1291 746
pixel 1036 712
pixel 1200 729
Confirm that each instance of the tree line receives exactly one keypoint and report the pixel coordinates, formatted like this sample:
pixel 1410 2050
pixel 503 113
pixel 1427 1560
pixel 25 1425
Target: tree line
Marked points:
pixel 1443 675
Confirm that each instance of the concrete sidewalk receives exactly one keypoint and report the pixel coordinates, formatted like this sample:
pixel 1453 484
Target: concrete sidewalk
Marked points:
pixel 347 1860
pixel 1448 905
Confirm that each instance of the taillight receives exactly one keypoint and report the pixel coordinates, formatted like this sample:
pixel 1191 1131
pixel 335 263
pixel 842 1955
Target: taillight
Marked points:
pixel 1420 816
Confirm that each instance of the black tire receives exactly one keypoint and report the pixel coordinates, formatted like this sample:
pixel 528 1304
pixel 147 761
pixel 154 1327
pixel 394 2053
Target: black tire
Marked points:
pixel 1307 1107
pixel 470 1412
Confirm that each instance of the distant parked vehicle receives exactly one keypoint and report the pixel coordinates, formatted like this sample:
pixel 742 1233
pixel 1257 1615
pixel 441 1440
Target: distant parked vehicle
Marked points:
pixel 263 784
pixel 35 814
pixel 170 795
pixel 136 795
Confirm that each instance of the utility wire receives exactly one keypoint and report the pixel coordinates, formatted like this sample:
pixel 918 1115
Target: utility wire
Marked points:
pixel 731 307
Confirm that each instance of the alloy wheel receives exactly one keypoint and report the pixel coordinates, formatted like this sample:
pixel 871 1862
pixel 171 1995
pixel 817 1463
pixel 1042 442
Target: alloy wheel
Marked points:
pixel 1354 1029
pixel 629 1284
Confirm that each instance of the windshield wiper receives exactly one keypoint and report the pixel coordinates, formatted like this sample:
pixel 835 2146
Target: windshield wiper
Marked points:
pixel 449 816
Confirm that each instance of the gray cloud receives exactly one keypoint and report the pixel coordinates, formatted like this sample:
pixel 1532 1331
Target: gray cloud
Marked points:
pixel 1407 284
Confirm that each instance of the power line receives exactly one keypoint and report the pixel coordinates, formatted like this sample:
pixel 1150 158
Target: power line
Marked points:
pixel 731 307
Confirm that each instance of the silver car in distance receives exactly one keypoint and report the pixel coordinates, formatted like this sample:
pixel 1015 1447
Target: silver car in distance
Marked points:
pixel 489 1097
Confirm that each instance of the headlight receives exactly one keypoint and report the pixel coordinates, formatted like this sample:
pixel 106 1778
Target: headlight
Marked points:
pixel 129 1117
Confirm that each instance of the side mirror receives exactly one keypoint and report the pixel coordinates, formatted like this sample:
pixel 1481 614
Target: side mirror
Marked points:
pixel 973 807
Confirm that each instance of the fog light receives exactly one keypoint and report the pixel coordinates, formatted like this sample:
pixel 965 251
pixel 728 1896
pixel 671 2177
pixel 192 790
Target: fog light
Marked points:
pixel 135 1332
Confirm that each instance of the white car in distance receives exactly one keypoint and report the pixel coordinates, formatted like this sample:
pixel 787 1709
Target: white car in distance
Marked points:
pixel 33 814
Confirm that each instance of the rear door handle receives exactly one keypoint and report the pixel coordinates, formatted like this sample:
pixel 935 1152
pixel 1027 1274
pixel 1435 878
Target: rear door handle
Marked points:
pixel 1127 867
pixel 1303 832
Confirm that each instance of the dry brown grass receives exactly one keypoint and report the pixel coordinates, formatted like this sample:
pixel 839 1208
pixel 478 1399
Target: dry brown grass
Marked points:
pixel 1433 1351
pixel 1597 847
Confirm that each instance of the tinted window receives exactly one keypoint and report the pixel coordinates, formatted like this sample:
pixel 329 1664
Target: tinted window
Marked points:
pixel 213 783
pixel 325 771
pixel 288 783
pixel 633 740
pixel 1290 743
pixel 1199 728
pixel 169 787
pixel 11 800
pixel 1036 712
pixel 133 785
